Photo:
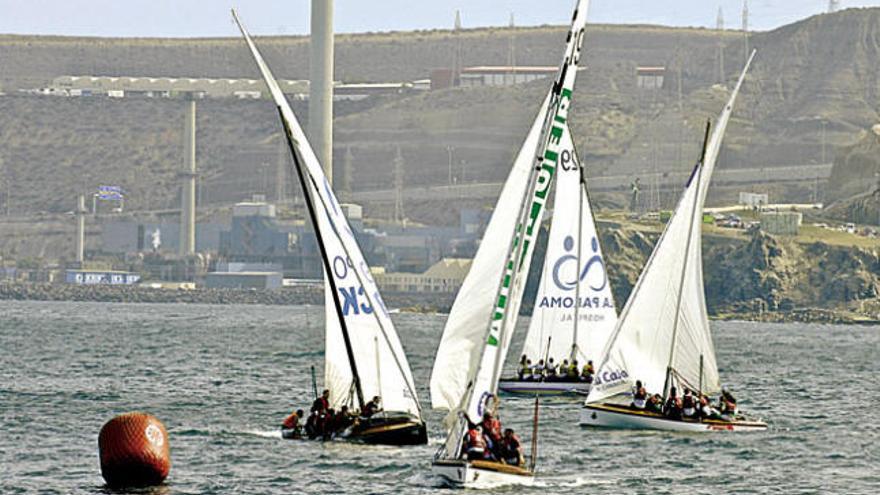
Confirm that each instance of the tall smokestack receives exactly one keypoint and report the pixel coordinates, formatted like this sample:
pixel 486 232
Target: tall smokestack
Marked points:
pixel 80 229
pixel 188 176
pixel 321 86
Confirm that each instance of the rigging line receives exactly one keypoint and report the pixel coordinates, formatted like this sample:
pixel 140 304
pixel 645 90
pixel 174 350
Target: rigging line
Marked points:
pixel 328 270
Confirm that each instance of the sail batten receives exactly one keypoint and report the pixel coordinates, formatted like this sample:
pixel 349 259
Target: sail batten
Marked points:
pixel 358 329
pixel 663 332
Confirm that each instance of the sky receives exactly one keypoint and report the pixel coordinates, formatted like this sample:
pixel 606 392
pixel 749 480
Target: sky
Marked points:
pixel 201 18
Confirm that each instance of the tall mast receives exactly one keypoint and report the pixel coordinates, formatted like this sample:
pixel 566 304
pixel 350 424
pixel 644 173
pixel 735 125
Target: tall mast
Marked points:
pixel 580 239
pixel 696 177
pixel 328 270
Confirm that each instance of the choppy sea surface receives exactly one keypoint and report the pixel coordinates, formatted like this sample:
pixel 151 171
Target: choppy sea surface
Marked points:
pixel 222 377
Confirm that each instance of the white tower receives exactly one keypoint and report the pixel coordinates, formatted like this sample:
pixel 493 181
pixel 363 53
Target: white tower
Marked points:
pixel 321 85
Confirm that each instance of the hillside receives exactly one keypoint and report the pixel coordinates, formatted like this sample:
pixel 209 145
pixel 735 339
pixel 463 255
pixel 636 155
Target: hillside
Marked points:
pixel 821 69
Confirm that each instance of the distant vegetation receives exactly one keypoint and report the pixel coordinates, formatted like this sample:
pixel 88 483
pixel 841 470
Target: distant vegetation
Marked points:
pixel 819 70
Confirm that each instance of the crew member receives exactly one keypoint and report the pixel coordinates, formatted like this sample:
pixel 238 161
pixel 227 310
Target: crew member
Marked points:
pixel 538 371
pixel 550 371
pixel 587 372
pixel 511 449
pixel 640 396
pixel 291 427
pixel 673 406
pixel 475 445
pixel 341 420
pixel 524 369
pixel 727 405
pixel 688 404
pixel 316 425
pixel 492 431
pixel 655 404
pixel 571 374
pixel 372 407
pixel 322 403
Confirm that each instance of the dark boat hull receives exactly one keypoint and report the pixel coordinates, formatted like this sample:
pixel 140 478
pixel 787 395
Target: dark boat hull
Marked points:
pixel 397 429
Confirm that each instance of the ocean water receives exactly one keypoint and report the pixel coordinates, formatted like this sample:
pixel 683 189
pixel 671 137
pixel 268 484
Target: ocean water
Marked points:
pixel 222 377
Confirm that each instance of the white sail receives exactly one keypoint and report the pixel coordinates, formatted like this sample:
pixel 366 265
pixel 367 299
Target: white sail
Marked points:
pixel 478 332
pixel 664 324
pixel 574 308
pixel 465 331
pixel 357 298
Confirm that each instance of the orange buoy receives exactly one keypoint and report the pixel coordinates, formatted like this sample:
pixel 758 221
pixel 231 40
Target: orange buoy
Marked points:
pixel 134 450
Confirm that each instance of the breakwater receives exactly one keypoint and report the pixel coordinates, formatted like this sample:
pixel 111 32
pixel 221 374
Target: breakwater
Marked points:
pixel 292 296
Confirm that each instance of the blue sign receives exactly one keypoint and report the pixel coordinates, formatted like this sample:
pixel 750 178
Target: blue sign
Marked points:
pixel 110 193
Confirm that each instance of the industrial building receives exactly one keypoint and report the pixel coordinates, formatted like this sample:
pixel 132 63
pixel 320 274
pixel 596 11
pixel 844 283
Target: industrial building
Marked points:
pixel 445 276
pixel 157 237
pixel 781 222
pixel 486 75
pixel 650 78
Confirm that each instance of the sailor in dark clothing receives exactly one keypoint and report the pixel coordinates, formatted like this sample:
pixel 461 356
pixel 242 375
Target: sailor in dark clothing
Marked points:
pixel 655 404
pixel 672 409
pixel 322 403
pixel 317 422
pixel 372 407
pixel 341 420
pixel 511 449
pixel 727 404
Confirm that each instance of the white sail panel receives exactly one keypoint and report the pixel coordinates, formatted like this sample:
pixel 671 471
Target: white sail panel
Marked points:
pixel 376 352
pixel 664 323
pixel 465 331
pixel 493 318
pixel 366 317
pixel 641 347
pixel 574 270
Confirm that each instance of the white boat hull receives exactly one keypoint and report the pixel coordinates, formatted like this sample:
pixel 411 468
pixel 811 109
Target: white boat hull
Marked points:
pixel 465 474
pixel 607 416
pixel 543 388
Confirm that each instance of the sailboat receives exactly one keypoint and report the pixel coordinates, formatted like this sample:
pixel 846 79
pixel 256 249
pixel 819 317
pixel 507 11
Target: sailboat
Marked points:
pixel 363 355
pixel 478 333
pixel 574 312
pixel 663 338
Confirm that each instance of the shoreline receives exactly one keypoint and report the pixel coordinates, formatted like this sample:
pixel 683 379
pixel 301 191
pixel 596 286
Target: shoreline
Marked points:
pixel 293 296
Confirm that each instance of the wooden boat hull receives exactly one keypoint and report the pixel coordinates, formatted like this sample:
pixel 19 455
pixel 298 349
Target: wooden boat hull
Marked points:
pixel 400 429
pixel 520 387
pixel 480 474
pixel 621 417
